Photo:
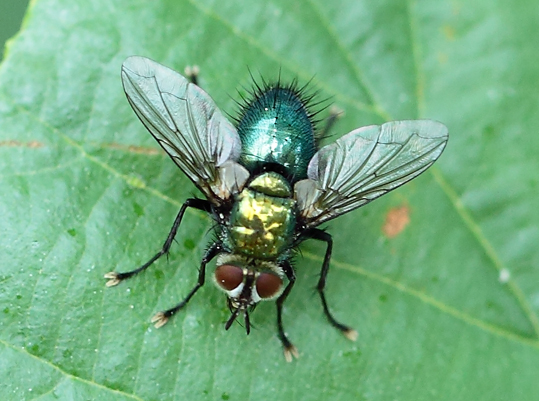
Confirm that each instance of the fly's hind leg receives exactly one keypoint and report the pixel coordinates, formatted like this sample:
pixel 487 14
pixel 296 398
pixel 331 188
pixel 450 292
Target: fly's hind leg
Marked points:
pixel 115 278
pixel 191 73
pixel 334 114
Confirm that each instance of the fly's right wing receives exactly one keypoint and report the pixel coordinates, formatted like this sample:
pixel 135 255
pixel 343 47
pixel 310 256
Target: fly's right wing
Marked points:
pixel 366 164
pixel 187 124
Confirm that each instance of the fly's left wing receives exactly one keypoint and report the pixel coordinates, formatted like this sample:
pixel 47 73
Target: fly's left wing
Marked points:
pixel 365 164
pixel 187 124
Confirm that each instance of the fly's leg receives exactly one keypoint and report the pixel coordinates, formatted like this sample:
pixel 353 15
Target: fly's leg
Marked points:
pixel 334 114
pixel 161 318
pixel 320 235
pixel 288 348
pixel 191 73
pixel 115 278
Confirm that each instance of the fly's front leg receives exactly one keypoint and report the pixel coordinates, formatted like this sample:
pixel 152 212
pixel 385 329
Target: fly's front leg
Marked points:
pixel 320 235
pixel 115 278
pixel 288 348
pixel 161 318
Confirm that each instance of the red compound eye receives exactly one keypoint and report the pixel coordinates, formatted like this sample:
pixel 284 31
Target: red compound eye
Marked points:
pixel 268 285
pixel 228 277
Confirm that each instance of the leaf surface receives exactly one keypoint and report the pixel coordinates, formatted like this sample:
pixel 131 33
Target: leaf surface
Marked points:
pixel 446 304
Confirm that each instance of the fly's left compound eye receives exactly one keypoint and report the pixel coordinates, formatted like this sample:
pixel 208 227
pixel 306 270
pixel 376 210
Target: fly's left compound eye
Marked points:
pixel 228 277
pixel 268 285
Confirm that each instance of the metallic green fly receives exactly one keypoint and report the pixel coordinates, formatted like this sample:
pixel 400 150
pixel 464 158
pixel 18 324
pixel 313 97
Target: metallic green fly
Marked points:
pixel 267 184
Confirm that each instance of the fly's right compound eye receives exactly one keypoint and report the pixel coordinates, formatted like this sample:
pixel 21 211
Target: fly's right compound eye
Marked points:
pixel 228 277
pixel 268 285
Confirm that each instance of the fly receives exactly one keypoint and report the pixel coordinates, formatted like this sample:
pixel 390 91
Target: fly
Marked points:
pixel 266 182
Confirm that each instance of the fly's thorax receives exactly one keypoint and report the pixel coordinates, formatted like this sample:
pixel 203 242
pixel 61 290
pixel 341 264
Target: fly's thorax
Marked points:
pixel 263 219
pixel 276 127
pixel 246 281
pixel 271 184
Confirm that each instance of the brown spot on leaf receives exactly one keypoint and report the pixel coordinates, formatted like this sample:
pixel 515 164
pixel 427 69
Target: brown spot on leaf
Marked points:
pixel 449 32
pixel 34 144
pixel 10 143
pixel 442 58
pixel 133 149
pixel 396 220
pixel 18 144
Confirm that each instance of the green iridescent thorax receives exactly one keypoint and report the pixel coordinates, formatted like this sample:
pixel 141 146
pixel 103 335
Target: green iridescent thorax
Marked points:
pixel 263 219
pixel 275 127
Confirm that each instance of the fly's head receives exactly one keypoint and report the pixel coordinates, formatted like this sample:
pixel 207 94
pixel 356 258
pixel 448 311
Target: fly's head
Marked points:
pixel 246 283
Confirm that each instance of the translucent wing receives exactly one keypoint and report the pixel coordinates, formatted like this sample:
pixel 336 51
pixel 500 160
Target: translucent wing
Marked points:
pixel 187 124
pixel 365 164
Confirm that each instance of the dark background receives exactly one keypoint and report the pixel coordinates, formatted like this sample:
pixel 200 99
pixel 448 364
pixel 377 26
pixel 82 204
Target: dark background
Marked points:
pixel 11 13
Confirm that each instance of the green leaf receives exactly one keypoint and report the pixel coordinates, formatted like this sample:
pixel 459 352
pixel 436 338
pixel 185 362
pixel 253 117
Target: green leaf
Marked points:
pixel 440 278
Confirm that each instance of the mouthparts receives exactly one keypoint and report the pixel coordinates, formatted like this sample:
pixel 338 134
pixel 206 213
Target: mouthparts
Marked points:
pixel 235 314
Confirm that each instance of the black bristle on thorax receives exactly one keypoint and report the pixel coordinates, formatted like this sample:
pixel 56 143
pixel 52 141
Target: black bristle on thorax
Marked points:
pixel 308 97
